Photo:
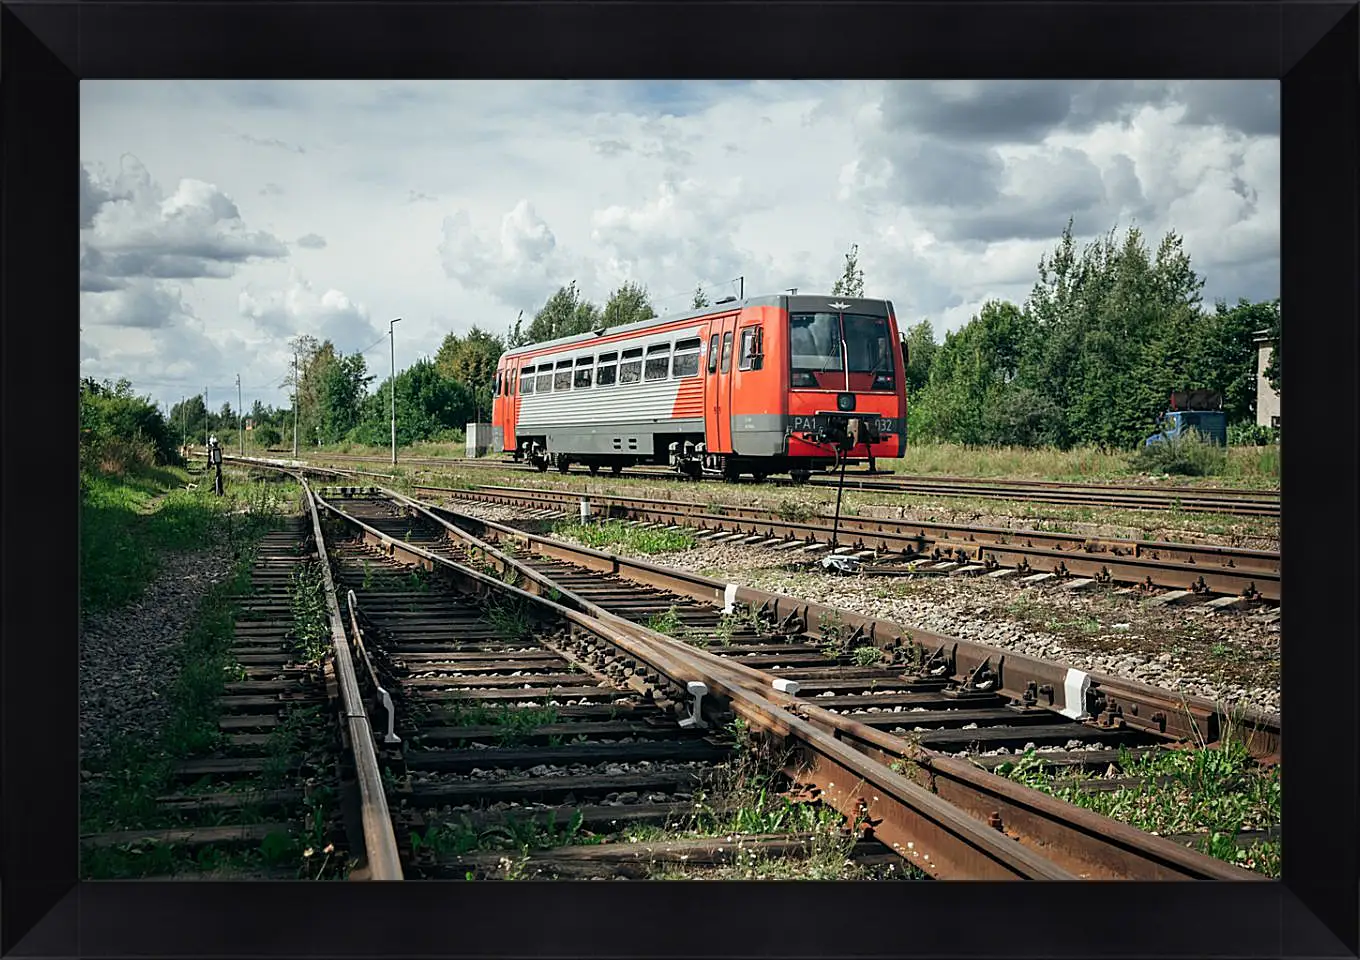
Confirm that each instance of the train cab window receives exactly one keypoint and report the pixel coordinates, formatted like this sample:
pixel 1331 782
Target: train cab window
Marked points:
pixel 713 353
pixel 585 368
pixel 658 362
pixel 608 370
pixel 630 370
pixel 544 382
pixel 686 358
pixel 750 357
pixel 562 376
pixel 526 381
pixel 727 352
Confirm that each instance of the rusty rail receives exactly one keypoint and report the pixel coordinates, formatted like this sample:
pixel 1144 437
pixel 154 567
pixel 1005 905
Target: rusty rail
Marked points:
pixel 380 842
pixel 1199 568
pixel 1078 843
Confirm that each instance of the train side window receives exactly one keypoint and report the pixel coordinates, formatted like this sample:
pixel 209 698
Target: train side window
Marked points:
pixel 713 353
pixel 585 367
pixel 608 370
pixel 544 382
pixel 630 370
pixel 750 358
pixel 658 362
pixel 727 352
pixel 686 358
pixel 526 381
pixel 562 376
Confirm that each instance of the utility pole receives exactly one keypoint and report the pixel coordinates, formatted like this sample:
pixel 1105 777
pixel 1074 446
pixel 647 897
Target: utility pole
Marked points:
pixel 392 345
pixel 741 295
pixel 240 422
pixel 207 415
pixel 295 404
pixel 184 421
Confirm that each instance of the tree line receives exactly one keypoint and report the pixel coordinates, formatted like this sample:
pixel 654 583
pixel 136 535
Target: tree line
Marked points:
pixel 1093 353
pixel 1089 358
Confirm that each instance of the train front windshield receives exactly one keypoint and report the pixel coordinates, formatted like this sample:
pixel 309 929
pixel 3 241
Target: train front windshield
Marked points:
pixel 840 351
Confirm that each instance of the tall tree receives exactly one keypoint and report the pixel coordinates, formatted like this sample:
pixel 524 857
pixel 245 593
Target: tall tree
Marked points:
pixel 565 314
pixel 921 349
pixel 429 406
pixel 851 283
pixel 700 298
pixel 627 304
pixel 471 360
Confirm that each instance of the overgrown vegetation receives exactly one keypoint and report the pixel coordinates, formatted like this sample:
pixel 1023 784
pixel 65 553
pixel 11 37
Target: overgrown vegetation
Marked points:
pixel 311 633
pixel 1091 356
pixel 616 533
pixel 1189 454
pixel 1215 794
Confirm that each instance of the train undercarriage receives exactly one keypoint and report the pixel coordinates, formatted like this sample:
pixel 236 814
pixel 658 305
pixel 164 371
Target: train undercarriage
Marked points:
pixel 688 458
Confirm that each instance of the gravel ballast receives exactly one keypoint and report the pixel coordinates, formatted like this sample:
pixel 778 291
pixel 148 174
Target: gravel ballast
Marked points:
pixel 1233 658
pixel 129 656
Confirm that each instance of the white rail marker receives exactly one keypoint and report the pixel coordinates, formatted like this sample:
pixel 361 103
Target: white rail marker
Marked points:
pixel 1074 694
pixel 730 598
pixel 791 687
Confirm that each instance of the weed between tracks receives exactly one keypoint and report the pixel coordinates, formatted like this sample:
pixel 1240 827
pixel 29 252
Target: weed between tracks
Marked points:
pixel 615 533
pixel 311 632
pixel 1213 794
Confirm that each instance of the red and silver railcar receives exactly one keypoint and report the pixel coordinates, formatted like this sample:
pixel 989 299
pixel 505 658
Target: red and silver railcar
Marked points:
pixel 768 385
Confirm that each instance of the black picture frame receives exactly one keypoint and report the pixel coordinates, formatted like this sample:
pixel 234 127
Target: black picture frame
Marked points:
pixel 46 48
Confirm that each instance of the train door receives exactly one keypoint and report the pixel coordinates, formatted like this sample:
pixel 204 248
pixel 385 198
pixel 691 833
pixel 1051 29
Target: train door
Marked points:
pixel 718 385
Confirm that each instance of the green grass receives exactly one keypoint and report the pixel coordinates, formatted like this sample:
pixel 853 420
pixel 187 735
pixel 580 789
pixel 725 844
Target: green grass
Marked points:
pixel 615 533
pixel 1215 793
pixel 1242 466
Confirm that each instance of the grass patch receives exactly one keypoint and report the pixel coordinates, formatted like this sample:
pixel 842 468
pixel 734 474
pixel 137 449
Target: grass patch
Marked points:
pixel 1188 455
pixel 615 533
pixel 1215 793
pixel 128 522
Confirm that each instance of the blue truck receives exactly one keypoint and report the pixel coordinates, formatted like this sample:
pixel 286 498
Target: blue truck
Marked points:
pixel 1193 410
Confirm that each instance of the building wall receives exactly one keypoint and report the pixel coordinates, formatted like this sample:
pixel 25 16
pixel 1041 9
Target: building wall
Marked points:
pixel 1267 400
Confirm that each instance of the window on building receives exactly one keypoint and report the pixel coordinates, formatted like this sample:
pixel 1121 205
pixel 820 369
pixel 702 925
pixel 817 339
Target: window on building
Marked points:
pixel 585 368
pixel 562 376
pixel 608 370
pixel 686 358
pixel 630 370
pixel 658 362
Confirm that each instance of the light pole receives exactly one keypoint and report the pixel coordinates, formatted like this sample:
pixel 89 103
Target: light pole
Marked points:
pixel 295 404
pixel 392 345
pixel 240 423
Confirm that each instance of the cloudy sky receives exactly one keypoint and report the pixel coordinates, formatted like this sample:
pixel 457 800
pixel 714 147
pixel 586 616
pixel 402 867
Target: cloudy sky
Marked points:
pixel 220 218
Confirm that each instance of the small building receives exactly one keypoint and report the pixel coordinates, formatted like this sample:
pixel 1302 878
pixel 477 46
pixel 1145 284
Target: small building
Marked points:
pixel 1267 398
pixel 478 439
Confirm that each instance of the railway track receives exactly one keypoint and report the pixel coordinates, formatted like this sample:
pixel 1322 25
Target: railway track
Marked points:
pixel 1187 570
pixel 1259 503
pixel 293 765
pixel 851 700
pixel 453 645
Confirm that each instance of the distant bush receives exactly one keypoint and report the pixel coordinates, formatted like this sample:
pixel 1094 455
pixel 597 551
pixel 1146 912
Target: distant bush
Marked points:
pixel 267 435
pixel 120 432
pixel 1251 435
pixel 1189 455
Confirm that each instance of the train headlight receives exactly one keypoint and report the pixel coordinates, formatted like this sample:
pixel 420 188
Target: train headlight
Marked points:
pixel 845 402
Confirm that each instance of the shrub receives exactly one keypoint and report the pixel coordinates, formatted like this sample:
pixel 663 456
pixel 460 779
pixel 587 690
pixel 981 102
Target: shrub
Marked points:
pixel 266 435
pixel 1250 435
pixel 1188 455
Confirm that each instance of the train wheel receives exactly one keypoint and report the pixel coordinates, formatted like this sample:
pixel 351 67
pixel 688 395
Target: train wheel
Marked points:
pixel 759 476
pixel 542 465
pixel 563 465
pixel 594 469
pixel 800 476
pixel 616 469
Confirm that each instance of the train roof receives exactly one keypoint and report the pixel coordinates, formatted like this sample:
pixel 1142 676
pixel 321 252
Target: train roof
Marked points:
pixel 794 304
